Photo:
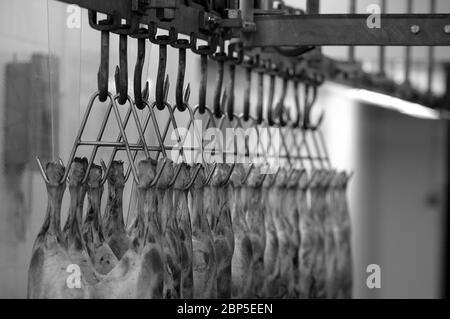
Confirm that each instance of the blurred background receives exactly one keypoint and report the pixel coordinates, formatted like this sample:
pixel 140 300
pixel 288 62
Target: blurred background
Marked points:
pixel 48 71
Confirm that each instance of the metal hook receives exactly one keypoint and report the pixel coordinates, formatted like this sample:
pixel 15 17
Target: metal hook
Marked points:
pixel 280 108
pixel 160 79
pixel 161 39
pixel 105 26
pixel 139 96
pixel 298 107
pixel 230 101
pixel 203 80
pixel 308 106
pixel 272 73
pixel 233 61
pixel 181 45
pixel 248 80
pixel 121 74
pixel 161 83
pixel 103 71
pixel 220 57
pixel 203 51
pixel 259 104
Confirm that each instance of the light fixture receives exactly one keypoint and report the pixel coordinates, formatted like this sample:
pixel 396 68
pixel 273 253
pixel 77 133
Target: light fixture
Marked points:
pixel 393 103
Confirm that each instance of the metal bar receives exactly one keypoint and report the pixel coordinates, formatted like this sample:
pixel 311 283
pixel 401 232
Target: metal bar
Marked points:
pixel 348 29
pixel 185 19
pixel 382 54
pixel 431 55
pixel 153 148
pixel 408 49
pixel 312 6
pixel 351 52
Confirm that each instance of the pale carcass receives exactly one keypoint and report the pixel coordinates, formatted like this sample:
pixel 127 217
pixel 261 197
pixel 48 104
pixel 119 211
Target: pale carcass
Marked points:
pixel 307 238
pixel 180 204
pixel 285 258
pixel 204 255
pixel 74 242
pixel 47 274
pixel 139 273
pixel 271 261
pixel 242 270
pixel 343 239
pixel 318 212
pixel 99 251
pixel 217 210
pixel 170 231
pixel 291 212
pixel 113 223
pixel 254 210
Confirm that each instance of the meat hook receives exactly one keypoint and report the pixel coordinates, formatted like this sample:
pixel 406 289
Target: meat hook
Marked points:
pixel 248 65
pixel 181 45
pixel 272 71
pixel 121 73
pixel 233 61
pixel 203 51
pixel 220 57
pixel 105 26
pixel 140 95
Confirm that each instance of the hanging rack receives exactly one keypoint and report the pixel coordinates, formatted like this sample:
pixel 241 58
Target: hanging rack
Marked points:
pixel 250 34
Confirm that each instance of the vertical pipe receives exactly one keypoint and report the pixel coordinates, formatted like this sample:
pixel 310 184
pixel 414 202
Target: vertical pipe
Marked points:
pixel 263 4
pixel 312 6
pixel 352 48
pixel 408 49
pixel 382 57
pixel 430 71
pixel 247 8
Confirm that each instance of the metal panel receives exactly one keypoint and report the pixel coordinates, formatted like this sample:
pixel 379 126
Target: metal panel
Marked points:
pixel 186 19
pixel 348 29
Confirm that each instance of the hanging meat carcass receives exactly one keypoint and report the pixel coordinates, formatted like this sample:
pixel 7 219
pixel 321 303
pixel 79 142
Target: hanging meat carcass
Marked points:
pixel 307 242
pixel 113 223
pixel 99 251
pixel 291 211
pixel 139 273
pixel 343 239
pixel 170 231
pixel 331 228
pixel 47 274
pixel 204 255
pixel 271 262
pixel 285 284
pixel 241 264
pixel 254 211
pixel 217 209
pixel 180 203
pixel 318 211
pixel 74 242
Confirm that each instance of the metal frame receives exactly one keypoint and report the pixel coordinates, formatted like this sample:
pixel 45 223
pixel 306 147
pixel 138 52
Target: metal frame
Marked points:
pixel 348 30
